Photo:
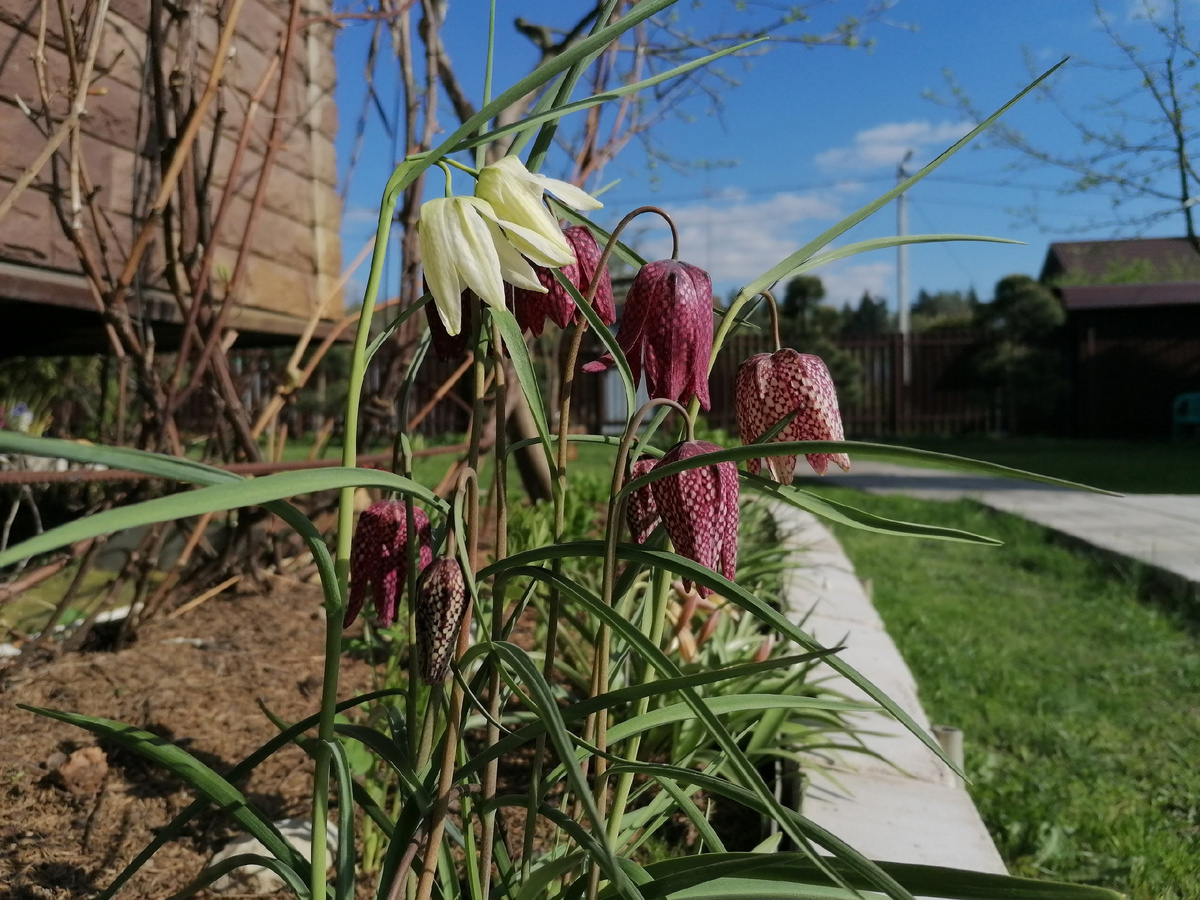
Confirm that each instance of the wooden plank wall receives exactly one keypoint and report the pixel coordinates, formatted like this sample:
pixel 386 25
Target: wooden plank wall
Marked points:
pixel 296 248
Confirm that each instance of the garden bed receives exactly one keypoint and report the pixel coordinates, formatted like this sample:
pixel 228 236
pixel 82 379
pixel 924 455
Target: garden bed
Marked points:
pixel 195 679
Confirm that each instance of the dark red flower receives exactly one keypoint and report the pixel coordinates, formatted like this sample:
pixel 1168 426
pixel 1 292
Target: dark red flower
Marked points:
pixel 379 557
pixel 441 602
pixel 640 512
pixel 699 508
pixel 445 346
pixel 772 385
pixel 532 308
pixel 667 331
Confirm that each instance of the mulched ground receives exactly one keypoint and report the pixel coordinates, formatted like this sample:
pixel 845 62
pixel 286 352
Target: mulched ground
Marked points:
pixel 67 830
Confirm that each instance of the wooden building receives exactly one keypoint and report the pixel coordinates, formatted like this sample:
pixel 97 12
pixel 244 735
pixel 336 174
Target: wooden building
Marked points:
pixel 47 306
pixel 1133 326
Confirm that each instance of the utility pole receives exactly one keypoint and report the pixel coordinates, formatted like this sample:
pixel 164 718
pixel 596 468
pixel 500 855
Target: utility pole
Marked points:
pixel 902 273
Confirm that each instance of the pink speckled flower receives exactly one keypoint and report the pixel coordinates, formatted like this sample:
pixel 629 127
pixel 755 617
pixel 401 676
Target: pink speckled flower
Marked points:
pixel 441 602
pixel 699 508
pixel 379 557
pixel 667 331
pixel 773 385
pixel 533 308
pixel 640 512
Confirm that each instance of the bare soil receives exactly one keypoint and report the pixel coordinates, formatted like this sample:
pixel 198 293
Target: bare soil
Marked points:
pixel 66 830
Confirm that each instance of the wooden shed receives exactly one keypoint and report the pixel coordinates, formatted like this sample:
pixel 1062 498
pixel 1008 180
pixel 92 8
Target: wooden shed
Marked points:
pixel 47 305
pixel 1133 326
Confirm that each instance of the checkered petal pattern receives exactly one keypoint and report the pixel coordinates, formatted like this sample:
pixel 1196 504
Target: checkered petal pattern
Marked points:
pixel 379 557
pixel 772 385
pixel 533 308
pixel 666 331
pixel 640 512
pixel 441 602
pixel 699 508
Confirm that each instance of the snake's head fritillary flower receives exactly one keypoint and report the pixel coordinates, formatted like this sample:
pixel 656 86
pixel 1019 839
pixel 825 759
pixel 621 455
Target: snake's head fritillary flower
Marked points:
pixel 517 196
pixel 441 602
pixel 773 385
pixel 699 508
pixel 666 331
pixel 379 557
pixel 640 512
pixel 532 309
pixel 464 244
pixel 446 346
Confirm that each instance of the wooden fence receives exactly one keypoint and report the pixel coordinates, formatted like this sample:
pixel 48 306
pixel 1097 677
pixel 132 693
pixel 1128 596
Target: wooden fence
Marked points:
pixel 936 398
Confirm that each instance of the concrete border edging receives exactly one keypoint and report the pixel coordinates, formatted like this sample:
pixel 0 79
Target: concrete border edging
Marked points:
pixel 921 814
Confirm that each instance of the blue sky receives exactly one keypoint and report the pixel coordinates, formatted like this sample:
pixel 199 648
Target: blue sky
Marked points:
pixel 817 133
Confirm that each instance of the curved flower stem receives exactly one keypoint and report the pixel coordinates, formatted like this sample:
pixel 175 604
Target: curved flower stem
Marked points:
pixel 596 728
pixel 500 478
pixel 773 309
pixel 468 489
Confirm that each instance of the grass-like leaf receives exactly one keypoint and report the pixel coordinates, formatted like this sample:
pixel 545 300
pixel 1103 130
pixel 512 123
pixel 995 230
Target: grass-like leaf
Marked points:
pixel 230 495
pixel 862 449
pixel 193 772
pixel 607 338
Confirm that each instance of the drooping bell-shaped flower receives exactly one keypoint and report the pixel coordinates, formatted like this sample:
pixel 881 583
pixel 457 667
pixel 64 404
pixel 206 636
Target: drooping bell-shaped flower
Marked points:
pixel 532 309
pixel 441 602
pixel 464 244
pixel 517 196
pixel 773 385
pixel 640 512
pixel 379 557
pixel 447 347
pixel 666 331
pixel 699 508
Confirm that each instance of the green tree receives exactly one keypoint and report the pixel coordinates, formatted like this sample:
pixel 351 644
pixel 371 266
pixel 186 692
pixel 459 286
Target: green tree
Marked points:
pixel 810 326
pixel 1020 357
pixel 871 316
pixel 944 310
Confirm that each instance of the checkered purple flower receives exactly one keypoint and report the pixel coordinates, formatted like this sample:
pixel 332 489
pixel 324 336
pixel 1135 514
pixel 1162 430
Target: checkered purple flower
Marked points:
pixel 533 308
pixel 773 385
pixel 667 331
pixel 441 602
pixel 379 557
pixel 699 508
pixel 640 512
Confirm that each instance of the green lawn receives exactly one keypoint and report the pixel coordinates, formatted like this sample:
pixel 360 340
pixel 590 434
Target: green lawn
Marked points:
pixel 1080 704
pixel 1131 467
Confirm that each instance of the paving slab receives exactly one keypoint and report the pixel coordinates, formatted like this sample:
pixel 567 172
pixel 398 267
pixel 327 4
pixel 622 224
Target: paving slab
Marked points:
pixel 1159 530
pixel 909 806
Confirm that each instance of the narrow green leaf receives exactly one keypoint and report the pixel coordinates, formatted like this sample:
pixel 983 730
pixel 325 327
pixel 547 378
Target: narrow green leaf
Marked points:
pixel 518 661
pixel 229 864
pixel 551 115
pixel 884 243
pixel 242 492
pixel 856 518
pixel 786 266
pixel 607 338
pixel 194 773
pixel 390 328
pixel 670 877
pixel 861 449
pixel 526 374
pixel 344 860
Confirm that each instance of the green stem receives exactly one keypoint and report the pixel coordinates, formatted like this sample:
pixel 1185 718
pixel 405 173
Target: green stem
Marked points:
pixel 612 534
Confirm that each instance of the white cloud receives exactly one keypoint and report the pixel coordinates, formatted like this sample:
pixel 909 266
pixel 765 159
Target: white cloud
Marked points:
pixel 887 144
pixel 735 238
pixel 845 281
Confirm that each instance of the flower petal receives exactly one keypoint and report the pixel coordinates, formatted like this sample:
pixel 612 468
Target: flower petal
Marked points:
pixel 513 267
pixel 479 263
pixel 439 250
pixel 569 194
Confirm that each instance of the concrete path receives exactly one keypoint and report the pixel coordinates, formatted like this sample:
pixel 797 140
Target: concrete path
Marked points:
pixel 916 810
pixel 1159 530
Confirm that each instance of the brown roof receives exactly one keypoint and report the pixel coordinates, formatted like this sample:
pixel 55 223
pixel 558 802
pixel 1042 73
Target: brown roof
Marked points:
pixel 1138 261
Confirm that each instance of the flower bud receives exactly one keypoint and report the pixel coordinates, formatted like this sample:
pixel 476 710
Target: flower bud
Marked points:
pixel 441 602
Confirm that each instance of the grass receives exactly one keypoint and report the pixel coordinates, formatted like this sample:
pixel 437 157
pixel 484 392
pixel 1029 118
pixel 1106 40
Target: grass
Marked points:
pixel 1080 704
pixel 1132 467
